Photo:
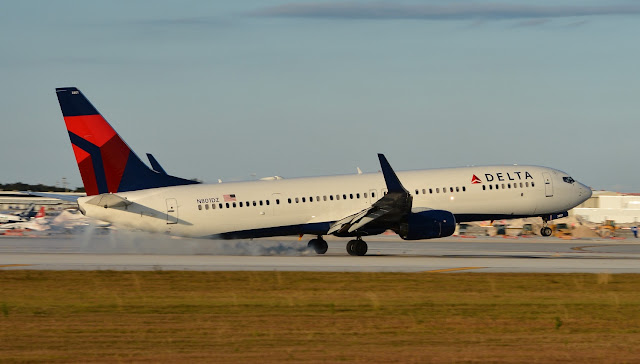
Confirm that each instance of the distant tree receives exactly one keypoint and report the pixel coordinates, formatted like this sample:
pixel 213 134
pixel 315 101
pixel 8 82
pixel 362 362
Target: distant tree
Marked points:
pixel 19 186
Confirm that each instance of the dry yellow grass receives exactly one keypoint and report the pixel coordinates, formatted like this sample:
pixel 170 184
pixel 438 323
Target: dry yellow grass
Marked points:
pixel 107 316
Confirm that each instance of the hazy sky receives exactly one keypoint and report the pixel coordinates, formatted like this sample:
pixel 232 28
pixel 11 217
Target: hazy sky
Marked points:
pixel 237 89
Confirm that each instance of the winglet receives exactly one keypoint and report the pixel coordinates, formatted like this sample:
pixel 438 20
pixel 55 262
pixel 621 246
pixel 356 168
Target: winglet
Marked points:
pixel 155 165
pixel 393 183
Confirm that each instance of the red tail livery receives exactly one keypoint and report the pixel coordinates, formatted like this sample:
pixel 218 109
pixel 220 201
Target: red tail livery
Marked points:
pixel 106 163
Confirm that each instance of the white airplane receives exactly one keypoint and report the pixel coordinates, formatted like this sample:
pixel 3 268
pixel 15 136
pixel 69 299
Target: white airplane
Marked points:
pixel 420 204
pixel 38 223
pixel 25 215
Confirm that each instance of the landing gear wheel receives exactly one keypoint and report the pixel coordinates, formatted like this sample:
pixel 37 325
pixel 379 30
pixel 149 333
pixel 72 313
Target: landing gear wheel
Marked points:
pixel 318 245
pixel 546 231
pixel 357 247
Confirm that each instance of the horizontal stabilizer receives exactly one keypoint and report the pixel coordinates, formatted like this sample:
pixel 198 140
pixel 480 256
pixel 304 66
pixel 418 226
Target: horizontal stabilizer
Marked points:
pixel 109 200
pixel 70 198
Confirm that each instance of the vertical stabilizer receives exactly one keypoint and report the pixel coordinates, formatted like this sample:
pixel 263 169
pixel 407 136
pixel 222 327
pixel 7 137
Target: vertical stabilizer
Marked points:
pixel 105 161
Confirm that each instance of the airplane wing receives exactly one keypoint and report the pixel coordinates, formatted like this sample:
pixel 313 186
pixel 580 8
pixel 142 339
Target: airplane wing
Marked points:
pixel 391 208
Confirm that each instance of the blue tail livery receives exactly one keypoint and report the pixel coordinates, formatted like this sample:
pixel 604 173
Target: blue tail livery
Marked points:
pixel 106 163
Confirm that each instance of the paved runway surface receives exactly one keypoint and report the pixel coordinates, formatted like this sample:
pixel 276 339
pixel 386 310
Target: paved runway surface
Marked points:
pixel 139 251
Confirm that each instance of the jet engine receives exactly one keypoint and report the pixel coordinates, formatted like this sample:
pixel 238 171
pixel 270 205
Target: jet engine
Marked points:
pixel 427 224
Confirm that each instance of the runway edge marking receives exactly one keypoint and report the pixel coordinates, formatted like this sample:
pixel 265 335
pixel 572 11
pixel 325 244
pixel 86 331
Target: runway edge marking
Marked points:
pixel 14 265
pixel 451 269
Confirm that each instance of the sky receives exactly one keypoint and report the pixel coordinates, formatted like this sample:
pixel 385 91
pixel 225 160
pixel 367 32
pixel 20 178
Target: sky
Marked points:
pixel 238 90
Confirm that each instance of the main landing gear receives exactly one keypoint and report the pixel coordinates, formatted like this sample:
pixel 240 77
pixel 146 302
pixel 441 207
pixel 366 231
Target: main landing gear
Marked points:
pixel 545 231
pixel 357 247
pixel 319 245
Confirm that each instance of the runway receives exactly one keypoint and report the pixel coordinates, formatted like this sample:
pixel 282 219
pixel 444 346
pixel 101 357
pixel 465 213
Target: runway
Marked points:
pixel 140 251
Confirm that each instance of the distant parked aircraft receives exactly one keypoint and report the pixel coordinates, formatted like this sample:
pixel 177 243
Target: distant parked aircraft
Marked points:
pixel 25 215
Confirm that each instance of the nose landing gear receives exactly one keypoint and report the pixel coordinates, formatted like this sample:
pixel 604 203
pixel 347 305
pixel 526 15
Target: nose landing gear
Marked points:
pixel 545 231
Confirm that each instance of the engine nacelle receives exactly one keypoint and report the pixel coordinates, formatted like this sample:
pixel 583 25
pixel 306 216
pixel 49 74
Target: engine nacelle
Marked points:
pixel 428 224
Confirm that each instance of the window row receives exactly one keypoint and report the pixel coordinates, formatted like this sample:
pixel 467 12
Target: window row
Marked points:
pixel 344 196
pixel 443 190
pixel 508 185
pixel 236 204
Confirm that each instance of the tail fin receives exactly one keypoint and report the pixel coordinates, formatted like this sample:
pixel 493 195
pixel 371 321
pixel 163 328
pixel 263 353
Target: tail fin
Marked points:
pixel 29 212
pixel 106 163
pixel 40 213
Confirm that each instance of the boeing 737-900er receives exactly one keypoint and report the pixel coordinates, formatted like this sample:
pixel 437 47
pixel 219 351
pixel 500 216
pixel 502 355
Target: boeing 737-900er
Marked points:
pixel 421 204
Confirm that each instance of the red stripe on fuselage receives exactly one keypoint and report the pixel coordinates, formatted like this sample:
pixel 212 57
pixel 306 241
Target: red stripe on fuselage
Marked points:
pixel 92 128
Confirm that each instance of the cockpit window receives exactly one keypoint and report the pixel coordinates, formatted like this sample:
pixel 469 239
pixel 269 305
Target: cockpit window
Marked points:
pixel 568 179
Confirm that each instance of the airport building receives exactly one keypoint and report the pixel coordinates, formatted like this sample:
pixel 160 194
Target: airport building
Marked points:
pixel 623 208
pixel 17 201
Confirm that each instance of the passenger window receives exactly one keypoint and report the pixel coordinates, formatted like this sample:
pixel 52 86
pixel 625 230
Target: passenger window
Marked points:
pixel 220 205
pixel 227 204
pixel 344 197
pixel 508 185
pixel 417 192
pixel 464 189
pixel 424 191
pixel 520 184
pixel 199 207
pixel 526 184
pixel 324 198
pixel 206 206
pixel 331 197
pixel 364 195
pixel 277 201
pixel 457 189
pixel 490 187
pixel 430 190
pixel 260 202
pixel 240 203
pixel 310 198
pixel 304 199
pixel 213 206
pixel 338 197
pixel 297 200
pixel 268 202
pixel 532 185
pixel 484 188
pixel 287 200
pixel 451 189
pixel 503 186
pixel 497 186
pixel 351 196
pixel 357 195
pixel 373 194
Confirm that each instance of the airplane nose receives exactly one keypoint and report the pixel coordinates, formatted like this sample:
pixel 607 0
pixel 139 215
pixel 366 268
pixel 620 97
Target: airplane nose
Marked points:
pixel 584 192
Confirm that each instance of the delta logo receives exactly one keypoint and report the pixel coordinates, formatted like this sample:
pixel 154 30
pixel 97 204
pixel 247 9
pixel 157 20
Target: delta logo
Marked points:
pixel 502 176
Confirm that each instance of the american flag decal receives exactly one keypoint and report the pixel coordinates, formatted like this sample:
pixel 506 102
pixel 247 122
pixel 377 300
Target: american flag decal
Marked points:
pixel 229 198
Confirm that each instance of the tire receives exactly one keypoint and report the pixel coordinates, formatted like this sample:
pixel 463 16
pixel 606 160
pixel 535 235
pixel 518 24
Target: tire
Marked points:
pixel 318 245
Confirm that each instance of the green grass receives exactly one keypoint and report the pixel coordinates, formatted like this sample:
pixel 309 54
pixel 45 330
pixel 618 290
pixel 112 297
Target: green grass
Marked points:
pixel 107 316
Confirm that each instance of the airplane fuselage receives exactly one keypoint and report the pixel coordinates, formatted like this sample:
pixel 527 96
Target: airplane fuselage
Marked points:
pixel 310 205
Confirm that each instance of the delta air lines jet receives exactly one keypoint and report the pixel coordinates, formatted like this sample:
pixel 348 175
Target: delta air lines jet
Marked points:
pixel 421 204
